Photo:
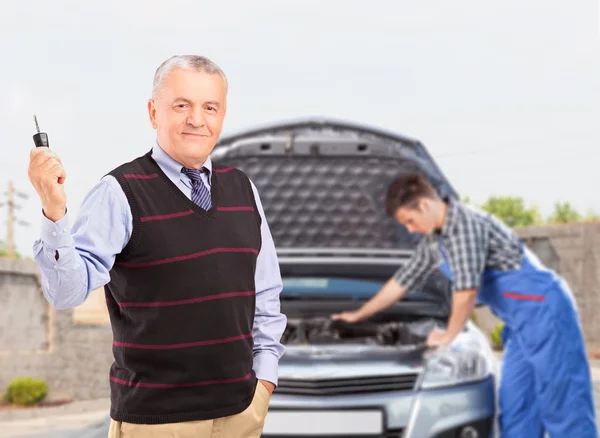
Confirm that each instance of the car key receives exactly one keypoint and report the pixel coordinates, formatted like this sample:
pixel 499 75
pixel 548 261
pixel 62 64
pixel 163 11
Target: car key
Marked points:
pixel 41 138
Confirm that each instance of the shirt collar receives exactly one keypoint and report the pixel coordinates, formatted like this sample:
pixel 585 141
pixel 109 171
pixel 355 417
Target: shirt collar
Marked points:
pixel 172 168
pixel 451 217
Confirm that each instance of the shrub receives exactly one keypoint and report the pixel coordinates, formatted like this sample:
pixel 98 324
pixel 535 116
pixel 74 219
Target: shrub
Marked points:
pixel 497 335
pixel 26 391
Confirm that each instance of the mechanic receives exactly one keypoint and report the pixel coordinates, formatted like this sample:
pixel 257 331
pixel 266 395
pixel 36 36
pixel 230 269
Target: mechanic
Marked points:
pixel 189 267
pixel 545 384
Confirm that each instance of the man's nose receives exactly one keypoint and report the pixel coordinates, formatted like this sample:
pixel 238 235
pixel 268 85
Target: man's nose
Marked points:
pixel 196 117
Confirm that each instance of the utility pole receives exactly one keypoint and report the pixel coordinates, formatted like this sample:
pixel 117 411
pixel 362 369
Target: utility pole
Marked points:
pixel 11 220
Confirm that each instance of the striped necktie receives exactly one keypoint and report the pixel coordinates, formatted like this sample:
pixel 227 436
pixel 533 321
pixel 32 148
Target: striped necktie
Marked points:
pixel 200 193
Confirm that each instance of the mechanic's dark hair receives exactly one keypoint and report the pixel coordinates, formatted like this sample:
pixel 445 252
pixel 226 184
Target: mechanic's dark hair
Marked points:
pixel 406 191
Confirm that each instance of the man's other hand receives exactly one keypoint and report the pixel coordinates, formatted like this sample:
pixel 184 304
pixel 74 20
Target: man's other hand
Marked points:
pixel 270 387
pixel 346 316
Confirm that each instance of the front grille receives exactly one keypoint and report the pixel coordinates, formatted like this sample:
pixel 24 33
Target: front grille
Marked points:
pixel 405 382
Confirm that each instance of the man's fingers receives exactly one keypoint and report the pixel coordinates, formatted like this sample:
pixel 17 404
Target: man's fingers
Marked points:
pixel 39 156
pixel 51 169
pixel 46 169
pixel 39 160
pixel 49 165
pixel 62 175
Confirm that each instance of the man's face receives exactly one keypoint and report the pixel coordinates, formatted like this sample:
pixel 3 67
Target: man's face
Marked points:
pixel 188 115
pixel 419 220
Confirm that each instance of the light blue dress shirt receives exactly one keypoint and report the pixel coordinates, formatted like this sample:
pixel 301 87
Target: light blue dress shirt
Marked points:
pixel 103 228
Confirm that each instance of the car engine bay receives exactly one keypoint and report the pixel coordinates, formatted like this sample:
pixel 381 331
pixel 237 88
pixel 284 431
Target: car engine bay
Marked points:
pixel 325 331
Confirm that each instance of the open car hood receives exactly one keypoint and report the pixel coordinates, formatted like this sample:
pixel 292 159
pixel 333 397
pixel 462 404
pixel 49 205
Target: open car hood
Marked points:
pixel 323 183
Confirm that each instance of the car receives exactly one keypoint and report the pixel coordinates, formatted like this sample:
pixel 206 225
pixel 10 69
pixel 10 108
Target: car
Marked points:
pixel 322 184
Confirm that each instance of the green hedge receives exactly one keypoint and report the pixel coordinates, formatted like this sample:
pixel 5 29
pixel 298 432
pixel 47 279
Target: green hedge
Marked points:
pixel 26 391
pixel 497 335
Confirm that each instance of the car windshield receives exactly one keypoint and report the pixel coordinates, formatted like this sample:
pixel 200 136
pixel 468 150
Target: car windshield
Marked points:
pixel 334 287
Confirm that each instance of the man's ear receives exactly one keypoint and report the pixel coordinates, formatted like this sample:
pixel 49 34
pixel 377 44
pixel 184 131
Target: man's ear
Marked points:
pixel 152 113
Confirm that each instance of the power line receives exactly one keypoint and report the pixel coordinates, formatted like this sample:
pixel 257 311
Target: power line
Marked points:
pixel 498 150
pixel 477 151
pixel 11 219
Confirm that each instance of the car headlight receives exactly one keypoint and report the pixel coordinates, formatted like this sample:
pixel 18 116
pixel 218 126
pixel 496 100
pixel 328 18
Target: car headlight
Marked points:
pixel 463 361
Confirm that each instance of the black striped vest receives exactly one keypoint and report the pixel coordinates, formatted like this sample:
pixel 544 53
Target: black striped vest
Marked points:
pixel 181 299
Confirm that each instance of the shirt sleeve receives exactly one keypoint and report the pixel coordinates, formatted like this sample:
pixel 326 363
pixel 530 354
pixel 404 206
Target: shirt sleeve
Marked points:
pixel 269 322
pixel 422 263
pixel 74 262
pixel 467 249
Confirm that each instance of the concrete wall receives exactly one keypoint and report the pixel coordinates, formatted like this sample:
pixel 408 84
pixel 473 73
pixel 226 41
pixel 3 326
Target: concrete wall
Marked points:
pixel 39 341
pixel 573 251
pixel 24 317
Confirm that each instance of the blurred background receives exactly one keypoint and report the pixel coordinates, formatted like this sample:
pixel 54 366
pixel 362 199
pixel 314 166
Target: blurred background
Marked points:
pixel 505 97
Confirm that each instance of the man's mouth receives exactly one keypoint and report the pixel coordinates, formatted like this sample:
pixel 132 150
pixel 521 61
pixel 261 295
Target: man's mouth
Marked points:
pixel 194 134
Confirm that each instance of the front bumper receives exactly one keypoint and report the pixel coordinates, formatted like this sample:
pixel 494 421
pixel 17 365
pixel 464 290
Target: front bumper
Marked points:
pixel 438 413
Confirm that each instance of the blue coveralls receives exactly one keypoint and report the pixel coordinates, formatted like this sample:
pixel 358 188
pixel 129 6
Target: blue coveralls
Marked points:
pixel 545 382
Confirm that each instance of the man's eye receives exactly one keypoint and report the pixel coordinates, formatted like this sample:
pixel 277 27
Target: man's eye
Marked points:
pixel 211 108
pixel 181 105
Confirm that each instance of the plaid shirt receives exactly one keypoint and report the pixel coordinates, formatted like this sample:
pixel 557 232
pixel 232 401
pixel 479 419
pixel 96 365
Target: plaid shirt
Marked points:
pixel 472 241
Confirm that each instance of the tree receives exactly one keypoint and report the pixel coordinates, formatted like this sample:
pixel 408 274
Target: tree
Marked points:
pixel 591 216
pixel 512 211
pixel 564 213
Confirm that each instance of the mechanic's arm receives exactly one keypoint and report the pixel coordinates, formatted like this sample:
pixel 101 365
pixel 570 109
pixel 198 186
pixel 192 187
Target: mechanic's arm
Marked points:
pixel 387 295
pixel 416 269
pixel 467 254
pixel 463 302
pixel 269 322
pixel 74 262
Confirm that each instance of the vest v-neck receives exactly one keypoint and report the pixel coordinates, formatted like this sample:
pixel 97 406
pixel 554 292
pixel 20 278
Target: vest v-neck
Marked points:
pixel 199 212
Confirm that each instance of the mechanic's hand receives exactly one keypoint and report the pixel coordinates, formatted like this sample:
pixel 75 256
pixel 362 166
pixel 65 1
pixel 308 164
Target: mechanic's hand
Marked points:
pixel 47 176
pixel 270 387
pixel 438 338
pixel 352 316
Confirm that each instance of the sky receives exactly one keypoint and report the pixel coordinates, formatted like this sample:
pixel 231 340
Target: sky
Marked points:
pixel 506 97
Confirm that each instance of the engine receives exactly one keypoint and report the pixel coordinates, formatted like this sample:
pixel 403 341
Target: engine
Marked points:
pixel 317 330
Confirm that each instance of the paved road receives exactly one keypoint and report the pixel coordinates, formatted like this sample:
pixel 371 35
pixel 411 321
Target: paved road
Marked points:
pixel 102 431
pixel 60 426
pixel 69 425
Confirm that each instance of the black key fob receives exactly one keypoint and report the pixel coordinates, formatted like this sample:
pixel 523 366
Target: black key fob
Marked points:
pixel 40 138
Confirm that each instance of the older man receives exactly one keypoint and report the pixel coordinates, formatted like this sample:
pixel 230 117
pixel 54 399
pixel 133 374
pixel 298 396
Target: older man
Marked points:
pixel 189 267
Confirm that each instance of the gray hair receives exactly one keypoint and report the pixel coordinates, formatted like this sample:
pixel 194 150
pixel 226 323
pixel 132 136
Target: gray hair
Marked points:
pixel 189 62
